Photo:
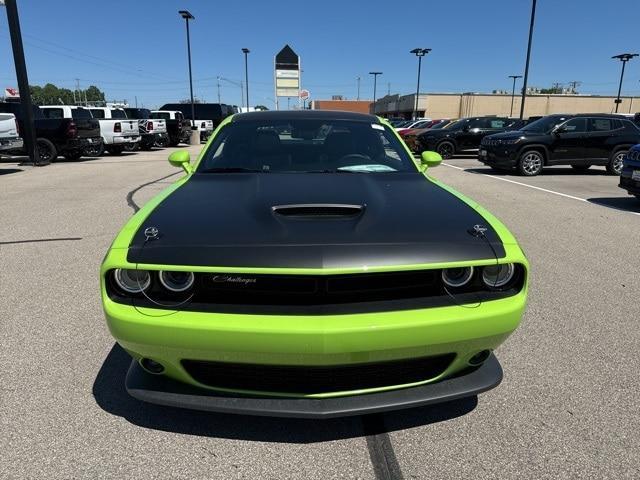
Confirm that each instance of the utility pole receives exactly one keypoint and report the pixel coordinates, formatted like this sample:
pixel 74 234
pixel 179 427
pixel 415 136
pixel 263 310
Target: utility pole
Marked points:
pixel 358 79
pixel 218 79
pixel 246 74
pixel 375 78
pixel 388 88
pixel 526 67
pixel 574 85
pixel 29 134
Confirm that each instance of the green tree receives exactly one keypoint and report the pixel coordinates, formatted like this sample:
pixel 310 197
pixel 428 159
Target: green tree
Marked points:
pixel 94 94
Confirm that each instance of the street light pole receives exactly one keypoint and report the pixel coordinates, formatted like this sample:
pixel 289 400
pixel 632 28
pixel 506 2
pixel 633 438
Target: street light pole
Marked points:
pixel 513 91
pixel 375 78
pixel 526 67
pixel 29 133
pixel 624 58
pixel 187 16
pixel 358 79
pixel 418 52
pixel 246 74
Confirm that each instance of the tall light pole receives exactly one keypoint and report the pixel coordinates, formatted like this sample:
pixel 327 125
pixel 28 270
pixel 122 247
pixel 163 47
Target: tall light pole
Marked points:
pixel 418 52
pixel 358 80
pixel 526 67
pixel 246 74
pixel 187 16
pixel 375 78
pixel 624 58
pixel 513 91
pixel 29 133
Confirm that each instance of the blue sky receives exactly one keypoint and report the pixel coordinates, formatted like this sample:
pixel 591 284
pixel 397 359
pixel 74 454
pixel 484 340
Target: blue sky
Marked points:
pixel 138 48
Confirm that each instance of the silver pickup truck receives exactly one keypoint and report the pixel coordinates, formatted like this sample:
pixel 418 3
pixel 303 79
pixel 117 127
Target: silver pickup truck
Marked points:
pixel 9 136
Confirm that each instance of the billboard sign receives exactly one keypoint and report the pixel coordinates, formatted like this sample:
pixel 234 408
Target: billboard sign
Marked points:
pixel 287 73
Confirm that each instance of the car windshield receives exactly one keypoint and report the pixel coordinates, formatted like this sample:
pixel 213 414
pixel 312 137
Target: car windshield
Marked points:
pixel 544 125
pixel 306 146
pixel 161 115
pixel 439 125
pixel 457 124
pixel 118 113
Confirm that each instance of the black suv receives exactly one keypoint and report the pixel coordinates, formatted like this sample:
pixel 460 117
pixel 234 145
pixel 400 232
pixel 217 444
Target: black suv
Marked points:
pixel 463 134
pixel 578 140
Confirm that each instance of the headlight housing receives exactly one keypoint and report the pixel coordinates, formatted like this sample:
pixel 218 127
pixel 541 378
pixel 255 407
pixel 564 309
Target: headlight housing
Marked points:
pixel 497 276
pixel 457 277
pixel 176 281
pixel 132 280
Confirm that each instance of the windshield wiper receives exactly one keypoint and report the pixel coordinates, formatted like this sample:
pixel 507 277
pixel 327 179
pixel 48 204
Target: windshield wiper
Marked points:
pixel 233 170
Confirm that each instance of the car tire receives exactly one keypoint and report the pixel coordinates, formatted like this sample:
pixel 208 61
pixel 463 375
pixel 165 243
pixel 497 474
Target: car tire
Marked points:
pixel 115 150
pixel 72 155
pixel 530 163
pixel 614 167
pixel 95 150
pixel 46 150
pixel 162 142
pixel 131 147
pixel 446 149
pixel 581 168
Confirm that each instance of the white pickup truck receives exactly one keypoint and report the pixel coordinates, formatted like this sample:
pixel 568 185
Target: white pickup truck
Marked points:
pixel 9 137
pixel 115 129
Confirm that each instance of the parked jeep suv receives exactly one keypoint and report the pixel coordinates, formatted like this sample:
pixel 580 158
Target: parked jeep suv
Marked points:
pixel 578 140
pixel 463 134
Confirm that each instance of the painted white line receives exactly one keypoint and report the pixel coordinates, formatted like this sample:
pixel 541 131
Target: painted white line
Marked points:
pixel 535 188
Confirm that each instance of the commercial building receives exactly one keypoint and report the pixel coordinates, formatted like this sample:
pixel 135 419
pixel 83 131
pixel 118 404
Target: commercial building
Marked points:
pixel 357 106
pixel 457 105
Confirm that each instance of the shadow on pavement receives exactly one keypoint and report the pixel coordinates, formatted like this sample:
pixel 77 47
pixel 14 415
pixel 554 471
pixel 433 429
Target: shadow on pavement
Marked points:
pixel 626 204
pixel 111 395
pixel 6 171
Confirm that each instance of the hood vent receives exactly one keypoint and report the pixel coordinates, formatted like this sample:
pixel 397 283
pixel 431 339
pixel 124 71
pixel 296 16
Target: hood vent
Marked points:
pixel 318 210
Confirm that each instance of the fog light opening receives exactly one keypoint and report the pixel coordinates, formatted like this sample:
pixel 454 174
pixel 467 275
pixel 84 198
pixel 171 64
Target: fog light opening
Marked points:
pixel 152 366
pixel 479 358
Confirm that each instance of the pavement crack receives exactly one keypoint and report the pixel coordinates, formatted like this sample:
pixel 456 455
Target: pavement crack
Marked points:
pixel 37 240
pixel 130 195
pixel 383 458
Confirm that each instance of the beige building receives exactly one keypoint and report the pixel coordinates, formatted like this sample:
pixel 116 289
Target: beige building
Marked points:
pixel 457 105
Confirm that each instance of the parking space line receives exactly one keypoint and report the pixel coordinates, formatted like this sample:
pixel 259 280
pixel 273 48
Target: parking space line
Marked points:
pixel 534 187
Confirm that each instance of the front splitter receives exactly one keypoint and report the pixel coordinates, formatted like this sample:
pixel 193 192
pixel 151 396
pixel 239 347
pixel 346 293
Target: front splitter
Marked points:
pixel 162 390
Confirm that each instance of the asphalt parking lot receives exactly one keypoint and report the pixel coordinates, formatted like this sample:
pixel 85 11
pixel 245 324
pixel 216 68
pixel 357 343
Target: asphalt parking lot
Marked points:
pixel 569 405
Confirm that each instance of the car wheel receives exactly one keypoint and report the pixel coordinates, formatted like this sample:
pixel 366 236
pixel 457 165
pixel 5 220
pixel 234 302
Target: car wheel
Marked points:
pixel 162 142
pixel 446 149
pixel 46 150
pixel 614 167
pixel 581 168
pixel 115 150
pixel 73 155
pixel 94 150
pixel 530 163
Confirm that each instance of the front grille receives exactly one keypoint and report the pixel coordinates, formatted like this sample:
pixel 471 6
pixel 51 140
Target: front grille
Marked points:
pixel 490 142
pixel 266 294
pixel 316 379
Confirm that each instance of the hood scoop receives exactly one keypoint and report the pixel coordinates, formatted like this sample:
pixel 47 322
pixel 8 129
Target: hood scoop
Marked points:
pixel 318 210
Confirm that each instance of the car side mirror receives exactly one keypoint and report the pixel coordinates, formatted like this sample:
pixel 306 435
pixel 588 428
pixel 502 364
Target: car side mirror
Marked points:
pixel 182 159
pixel 430 159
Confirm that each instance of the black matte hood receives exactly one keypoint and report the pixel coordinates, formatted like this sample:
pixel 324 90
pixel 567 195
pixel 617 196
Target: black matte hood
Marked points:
pixel 228 220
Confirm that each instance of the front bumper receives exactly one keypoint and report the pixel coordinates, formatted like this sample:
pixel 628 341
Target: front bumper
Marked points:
pixel 165 391
pixel 626 181
pixel 499 155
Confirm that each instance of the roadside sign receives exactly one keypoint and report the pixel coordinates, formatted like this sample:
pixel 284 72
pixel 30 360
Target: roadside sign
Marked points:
pixel 287 73
pixel 11 93
pixel 304 94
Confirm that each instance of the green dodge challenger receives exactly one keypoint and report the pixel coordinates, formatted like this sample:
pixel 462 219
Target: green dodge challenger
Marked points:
pixel 307 266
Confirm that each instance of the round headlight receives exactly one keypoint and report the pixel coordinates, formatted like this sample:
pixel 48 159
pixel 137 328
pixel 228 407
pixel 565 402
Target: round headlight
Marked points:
pixel 457 277
pixel 176 281
pixel 132 281
pixel 495 276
